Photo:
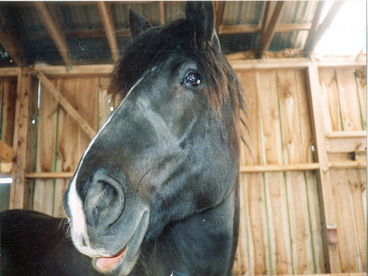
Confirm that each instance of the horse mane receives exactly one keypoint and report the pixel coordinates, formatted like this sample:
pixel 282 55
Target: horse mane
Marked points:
pixel 156 44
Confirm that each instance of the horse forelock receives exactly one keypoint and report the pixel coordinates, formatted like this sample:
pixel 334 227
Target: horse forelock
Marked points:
pixel 157 44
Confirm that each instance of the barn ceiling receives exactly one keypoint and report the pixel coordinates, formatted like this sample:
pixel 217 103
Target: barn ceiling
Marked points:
pixel 73 33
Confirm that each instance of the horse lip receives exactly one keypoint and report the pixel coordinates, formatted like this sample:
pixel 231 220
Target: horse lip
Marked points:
pixel 129 253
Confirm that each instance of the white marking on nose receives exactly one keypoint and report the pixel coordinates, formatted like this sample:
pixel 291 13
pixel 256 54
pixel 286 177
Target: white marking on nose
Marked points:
pixel 78 218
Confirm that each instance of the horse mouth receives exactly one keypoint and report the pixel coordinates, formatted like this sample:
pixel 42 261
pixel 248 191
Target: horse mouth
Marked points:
pixel 124 261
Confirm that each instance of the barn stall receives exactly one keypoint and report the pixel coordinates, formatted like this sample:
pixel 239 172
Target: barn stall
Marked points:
pixel 303 167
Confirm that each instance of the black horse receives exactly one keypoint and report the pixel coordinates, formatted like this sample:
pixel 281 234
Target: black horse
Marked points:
pixel 32 243
pixel 155 193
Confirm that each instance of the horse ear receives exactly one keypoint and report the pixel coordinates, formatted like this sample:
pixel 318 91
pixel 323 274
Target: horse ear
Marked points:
pixel 203 18
pixel 137 23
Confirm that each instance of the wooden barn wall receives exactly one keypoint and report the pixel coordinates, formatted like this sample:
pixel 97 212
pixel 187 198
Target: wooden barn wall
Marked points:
pixel 280 224
pixel 282 215
pixel 60 140
pixel 343 94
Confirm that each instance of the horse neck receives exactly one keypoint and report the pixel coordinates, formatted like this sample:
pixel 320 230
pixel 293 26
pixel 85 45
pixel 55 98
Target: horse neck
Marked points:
pixel 209 237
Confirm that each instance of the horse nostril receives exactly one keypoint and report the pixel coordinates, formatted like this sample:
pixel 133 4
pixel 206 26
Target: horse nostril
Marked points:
pixel 104 202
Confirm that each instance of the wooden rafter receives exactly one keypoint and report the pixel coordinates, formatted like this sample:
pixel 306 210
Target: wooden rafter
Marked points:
pixel 55 31
pixel 12 46
pixel 318 31
pixel 267 36
pixel 161 6
pixel 106 17
pixel 66 105
pixel 219 9
pixel 265 19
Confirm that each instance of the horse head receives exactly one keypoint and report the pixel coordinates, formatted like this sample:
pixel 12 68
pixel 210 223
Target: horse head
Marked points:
pixel 170 148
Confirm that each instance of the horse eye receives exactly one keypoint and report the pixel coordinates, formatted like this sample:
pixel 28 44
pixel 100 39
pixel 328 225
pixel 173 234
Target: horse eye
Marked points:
pixel 192 78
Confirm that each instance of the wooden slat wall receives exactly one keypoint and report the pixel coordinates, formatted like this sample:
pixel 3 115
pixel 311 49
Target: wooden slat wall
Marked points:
pixel 280 226
pixel 345 111
pixel 61 142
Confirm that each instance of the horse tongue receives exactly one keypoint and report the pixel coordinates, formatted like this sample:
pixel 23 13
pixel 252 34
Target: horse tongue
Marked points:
pixel 109 263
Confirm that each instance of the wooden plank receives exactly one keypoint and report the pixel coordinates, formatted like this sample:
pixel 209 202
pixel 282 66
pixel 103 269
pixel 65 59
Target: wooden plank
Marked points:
pixel 325 185
pixel 356 181
pixel 255 28
pixel 280 220
pixel 270 137
pixel 289 115
pixel 161 7
pixel 53 27
pixel 244 259
pixel 256 202
pixel 49 175
pixel 76 71
pixel 348 144
pixel 250 155
pixel 315 222
pixel 316 36
pixel 23 142
pixel 265 17
pixel 304 117
pixel 361 86
pixel 329 87
pixel 104 10
pixel 267 64
pixel 8 92
pixel 271 27
pixel 10 71
pixel 6 152
pixel 43 195
pixel 348 164
pixel 279 168
pixel 342 196
pixel 349 100
pixel 68 107
pixel 10 42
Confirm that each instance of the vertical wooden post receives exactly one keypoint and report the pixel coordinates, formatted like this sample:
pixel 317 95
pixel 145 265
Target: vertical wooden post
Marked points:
pixel 330 233
pixel 23 145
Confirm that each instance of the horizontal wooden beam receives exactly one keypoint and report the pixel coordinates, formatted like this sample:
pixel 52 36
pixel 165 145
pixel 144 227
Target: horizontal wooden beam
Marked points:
pixel 49 175
pixel 6 152
pixel 279 168
pixel 9 71
pixel 66 105
pixel 54 28
pixel 346 141
pixel 348 165
pixel 280 63
pixel 243 169
pixel 347 134
pixel 255 28
pixel 103 70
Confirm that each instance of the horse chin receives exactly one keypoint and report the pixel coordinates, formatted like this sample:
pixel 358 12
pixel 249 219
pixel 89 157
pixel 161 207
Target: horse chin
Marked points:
pixel 123 262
